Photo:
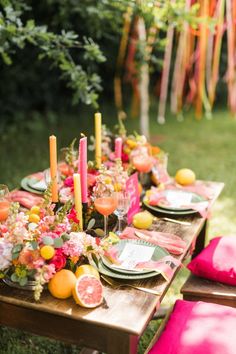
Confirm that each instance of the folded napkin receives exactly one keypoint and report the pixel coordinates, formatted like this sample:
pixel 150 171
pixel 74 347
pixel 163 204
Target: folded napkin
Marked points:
pixel 172 243
pixel 26 199
pixel 157 196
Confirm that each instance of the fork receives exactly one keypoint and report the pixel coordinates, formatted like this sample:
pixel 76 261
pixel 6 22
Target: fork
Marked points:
pixel 115 285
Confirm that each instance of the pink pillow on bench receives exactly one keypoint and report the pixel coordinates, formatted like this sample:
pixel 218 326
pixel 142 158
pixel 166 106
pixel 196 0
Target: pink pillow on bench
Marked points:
pixel 198 328
pixel 217 261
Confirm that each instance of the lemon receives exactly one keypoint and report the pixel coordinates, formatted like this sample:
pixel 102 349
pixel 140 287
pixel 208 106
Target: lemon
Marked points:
pixel 142 220
pixel 86 269
pixel 35 210
pixel 47 252
pixel 34 218
pixel 185 176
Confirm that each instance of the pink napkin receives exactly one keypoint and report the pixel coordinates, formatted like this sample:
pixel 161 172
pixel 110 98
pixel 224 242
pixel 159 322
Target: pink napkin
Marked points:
pixel 157 196
pixel 26 199
pixel 172 243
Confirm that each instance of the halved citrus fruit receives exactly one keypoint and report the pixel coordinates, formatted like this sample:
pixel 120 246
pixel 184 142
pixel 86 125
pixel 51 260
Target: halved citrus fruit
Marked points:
pixel 62 284
pixel 88 291
pixel 86 269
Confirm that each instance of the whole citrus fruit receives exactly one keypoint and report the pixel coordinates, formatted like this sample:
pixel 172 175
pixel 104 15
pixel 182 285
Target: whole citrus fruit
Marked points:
pixel 47 252
pixel 142 220
pixel 35 210
pixel 88 291
pixel 34 218
pixel 185 176
pixel 86 269
pixel 62 284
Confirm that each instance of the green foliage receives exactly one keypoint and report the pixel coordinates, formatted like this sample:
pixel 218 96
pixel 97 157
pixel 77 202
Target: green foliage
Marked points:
pixel 56 47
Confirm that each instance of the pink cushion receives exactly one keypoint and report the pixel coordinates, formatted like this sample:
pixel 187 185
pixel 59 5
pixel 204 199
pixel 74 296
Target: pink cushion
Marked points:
pixel 217 261
pixel 198 328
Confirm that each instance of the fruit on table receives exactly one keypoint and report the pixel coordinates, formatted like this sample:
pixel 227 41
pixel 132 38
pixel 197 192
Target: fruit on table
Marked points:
pixel 142 220
pixel 88 291
pixel 185 176
pixel 47 252
pixel 62 284
pixel 86 269
pixel 34 218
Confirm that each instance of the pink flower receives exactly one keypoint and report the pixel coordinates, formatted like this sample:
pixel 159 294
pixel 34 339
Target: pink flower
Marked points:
pixel 124 157
pixel 69 182
pixel 48 271
pixel 58 260
pixel 72 216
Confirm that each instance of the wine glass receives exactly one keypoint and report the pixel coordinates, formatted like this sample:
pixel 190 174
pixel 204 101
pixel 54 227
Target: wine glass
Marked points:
pixel 105 203
pixel 123 201
pixel 4 202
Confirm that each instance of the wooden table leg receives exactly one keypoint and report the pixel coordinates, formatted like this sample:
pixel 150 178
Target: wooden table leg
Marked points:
pixel 200 242
pixel 124 345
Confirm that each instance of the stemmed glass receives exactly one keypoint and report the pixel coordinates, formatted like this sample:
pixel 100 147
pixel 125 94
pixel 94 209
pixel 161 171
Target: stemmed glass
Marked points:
pixel 123 201
pixel 4 202
pixel 105 203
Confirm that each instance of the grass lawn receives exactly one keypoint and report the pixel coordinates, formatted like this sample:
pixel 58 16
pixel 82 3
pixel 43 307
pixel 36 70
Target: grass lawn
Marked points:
pixel 206 146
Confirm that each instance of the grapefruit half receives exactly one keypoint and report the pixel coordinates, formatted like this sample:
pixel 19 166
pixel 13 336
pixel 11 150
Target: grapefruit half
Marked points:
pixel 88 291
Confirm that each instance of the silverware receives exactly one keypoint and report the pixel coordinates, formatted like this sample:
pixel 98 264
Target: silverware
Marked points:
pixel 186 223
pixel 114 284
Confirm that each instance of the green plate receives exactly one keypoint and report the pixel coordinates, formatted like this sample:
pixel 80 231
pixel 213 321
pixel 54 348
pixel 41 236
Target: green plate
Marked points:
pixel 32 183
pixel 25 186
pixel 106 271
pixel 127 274
pixel 195 198
pixel 167 211
pixel 158 253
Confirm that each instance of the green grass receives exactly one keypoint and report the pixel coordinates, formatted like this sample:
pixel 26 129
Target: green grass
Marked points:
pixel 206 146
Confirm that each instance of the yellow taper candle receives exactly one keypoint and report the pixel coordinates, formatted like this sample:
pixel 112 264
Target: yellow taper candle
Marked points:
pixel 98 139
pixel 53 167
pixel 77 197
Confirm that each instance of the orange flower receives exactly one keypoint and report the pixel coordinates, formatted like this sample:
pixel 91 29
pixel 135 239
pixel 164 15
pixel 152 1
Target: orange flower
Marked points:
pixel 155 150
pixel 28 257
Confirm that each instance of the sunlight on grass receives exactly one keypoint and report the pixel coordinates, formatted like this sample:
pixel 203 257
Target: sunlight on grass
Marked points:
pixel 223 221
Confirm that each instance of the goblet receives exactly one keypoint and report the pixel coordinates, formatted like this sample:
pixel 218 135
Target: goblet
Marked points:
pixel 105 203
pixel 123 201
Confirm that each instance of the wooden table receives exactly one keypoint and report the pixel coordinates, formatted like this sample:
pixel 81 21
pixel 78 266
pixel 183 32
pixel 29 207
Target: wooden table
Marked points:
pixel 116 326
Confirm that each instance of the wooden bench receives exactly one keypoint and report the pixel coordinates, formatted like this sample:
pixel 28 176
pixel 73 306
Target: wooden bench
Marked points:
pixel 199 289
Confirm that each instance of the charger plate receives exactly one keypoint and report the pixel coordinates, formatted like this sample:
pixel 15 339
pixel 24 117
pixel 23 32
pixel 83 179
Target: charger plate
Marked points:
pixel 174 195
pixel 158 253
pixel 25 185
pixel 104 266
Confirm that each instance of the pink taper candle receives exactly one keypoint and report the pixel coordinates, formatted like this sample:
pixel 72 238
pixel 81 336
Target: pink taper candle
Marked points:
pixel 53 167
pixel 83 168
pixel 118 148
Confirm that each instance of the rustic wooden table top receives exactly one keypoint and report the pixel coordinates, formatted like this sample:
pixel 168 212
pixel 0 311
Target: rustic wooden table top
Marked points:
pixel 117 324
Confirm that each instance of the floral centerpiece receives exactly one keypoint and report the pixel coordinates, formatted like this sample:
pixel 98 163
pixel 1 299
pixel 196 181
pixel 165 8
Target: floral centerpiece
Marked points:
pixel 35 248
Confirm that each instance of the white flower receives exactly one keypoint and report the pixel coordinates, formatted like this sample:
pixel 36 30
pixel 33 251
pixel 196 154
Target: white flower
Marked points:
pixel 5 254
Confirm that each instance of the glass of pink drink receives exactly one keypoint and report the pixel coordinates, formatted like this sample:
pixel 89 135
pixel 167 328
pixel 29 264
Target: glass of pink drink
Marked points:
pixel 4 202
pixel 105 204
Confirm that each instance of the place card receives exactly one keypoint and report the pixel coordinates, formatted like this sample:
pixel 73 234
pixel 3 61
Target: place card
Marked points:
pixel 133 191
pixel 177 199
pixel 133 254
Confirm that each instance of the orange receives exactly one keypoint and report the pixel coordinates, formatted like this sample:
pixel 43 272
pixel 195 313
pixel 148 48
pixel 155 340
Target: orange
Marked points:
pixel 88 291
pixel 86 269
pixel 62 284
pixel 185 176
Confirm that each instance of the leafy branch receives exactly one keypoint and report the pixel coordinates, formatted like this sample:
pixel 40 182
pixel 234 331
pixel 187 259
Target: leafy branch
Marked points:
pixel 56 47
